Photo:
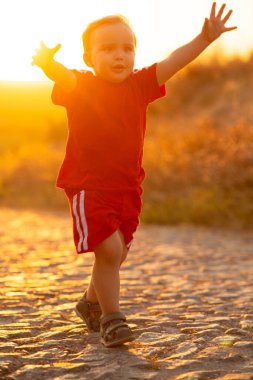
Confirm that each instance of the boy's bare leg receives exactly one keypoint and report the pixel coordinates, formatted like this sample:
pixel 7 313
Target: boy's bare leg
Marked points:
pixel 105 282
pixel 91 292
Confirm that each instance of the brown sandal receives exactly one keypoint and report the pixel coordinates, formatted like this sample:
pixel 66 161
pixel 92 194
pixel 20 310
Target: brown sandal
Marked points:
pixel 90 313
pixel 114 330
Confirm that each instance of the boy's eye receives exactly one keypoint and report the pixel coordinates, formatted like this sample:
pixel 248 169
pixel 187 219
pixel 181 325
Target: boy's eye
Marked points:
pixel 129 48
pixel 107 48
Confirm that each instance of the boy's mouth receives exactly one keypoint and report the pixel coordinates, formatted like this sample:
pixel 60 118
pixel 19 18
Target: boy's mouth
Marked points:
pixel 118 68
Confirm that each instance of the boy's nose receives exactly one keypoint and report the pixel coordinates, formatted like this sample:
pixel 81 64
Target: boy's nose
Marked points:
pixel 118 54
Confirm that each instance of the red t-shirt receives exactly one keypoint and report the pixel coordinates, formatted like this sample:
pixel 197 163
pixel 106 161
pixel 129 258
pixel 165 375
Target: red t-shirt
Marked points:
pixel 107 123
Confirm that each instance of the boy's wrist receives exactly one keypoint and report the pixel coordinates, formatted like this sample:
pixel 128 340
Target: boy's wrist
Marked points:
pixel 205 39
pixel 204 34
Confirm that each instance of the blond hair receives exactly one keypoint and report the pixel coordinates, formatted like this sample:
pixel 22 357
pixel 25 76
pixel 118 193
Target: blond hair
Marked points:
pixel 107 20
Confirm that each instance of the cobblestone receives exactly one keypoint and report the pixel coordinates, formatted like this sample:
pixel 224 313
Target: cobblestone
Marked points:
pixel 187 293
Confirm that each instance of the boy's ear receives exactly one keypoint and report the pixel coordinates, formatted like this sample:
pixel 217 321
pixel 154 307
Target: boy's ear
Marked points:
pixel 87 59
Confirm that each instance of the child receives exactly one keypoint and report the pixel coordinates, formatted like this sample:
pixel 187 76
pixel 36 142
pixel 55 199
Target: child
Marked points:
pixel 102 171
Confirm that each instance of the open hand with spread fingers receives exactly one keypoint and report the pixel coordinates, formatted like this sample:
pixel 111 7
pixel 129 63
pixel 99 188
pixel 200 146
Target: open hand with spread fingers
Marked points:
pixel 216 25
pixel 44 55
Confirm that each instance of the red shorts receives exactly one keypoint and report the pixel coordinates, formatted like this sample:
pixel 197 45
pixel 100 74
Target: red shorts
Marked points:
pixel 97 214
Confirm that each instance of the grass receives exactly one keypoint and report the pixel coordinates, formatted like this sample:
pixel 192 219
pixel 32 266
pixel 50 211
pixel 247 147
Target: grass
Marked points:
pixel 202 176
pixel 198 150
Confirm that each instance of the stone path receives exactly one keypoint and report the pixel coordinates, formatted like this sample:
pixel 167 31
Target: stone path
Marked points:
pixel 188 294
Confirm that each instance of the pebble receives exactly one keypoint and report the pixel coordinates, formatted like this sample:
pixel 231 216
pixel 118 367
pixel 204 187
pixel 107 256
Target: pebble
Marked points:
pixel 186 291
pixel 244 345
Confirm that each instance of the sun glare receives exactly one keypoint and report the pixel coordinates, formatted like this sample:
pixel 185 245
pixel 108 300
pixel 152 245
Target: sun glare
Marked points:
pixel 160 26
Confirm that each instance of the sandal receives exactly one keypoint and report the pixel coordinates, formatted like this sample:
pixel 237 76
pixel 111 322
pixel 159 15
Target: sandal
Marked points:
pixel 114 330
pixel 90 313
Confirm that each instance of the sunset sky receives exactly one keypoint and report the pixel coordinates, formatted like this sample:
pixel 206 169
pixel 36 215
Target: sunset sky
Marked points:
pixel 160 26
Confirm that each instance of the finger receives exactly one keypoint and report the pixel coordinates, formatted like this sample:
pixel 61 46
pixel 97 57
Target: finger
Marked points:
pixel 213 11
pixel 211 30
pixel 56 48
pixel 230 28
pixel 225 19
pixel 42 44
pixel 34 61
pixel 205 30
pixel 221 10
pixel 205 26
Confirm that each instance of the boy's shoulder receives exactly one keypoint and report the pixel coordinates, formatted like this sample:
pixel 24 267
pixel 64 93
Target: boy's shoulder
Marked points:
pixel 82 73
pixel 144 74
pixel 84 78
pixel 144 71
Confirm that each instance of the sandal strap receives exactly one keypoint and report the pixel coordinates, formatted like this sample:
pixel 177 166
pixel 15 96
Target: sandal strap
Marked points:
pixel 110 317
pixel 92 305
pixel 115 326
pixel 95 307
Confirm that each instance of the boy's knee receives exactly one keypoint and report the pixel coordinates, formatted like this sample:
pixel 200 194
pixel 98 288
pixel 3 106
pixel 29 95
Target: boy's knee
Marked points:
pixel 108 256
pixel 109 252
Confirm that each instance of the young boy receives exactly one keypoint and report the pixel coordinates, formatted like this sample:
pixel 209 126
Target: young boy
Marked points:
pixel 102 171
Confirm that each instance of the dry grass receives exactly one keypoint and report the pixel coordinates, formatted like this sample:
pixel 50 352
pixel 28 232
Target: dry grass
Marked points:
pixel 198 150
pixel 203 176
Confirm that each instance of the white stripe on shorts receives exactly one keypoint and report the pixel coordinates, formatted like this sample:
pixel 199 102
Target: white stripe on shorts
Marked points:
pixel 83 220
pixel 129 244
pixel 82 237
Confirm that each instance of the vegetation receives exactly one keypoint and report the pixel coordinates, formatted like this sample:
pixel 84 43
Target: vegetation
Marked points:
pixel 198 151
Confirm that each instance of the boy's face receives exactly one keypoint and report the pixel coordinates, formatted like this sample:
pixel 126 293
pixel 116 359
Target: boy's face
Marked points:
pixel 112 52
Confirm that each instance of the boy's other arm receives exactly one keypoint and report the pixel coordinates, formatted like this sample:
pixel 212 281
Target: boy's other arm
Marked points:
pixel 212 29
pixel 44 58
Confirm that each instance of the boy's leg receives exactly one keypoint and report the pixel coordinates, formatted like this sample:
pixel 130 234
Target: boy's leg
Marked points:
pixel 105 275
pixel 88 307
pixel 125 249
pixel 91 292
pixel 114 329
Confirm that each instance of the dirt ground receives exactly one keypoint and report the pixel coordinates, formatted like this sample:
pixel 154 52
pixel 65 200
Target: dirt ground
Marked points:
pixel 187 293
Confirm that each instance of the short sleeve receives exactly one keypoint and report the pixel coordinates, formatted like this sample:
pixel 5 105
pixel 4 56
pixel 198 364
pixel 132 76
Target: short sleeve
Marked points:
pixel 147 81
pixel 58 96
pixel 63 98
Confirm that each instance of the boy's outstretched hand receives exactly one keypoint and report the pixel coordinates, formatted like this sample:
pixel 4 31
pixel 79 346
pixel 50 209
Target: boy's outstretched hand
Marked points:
pixel 44 55
pixel 216 25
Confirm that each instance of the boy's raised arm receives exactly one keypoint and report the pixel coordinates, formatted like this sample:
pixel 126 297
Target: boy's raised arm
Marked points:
pixel 44 58
pixel 212 29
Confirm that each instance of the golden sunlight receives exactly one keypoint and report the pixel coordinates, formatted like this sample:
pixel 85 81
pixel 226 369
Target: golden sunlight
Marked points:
pixel 160 26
